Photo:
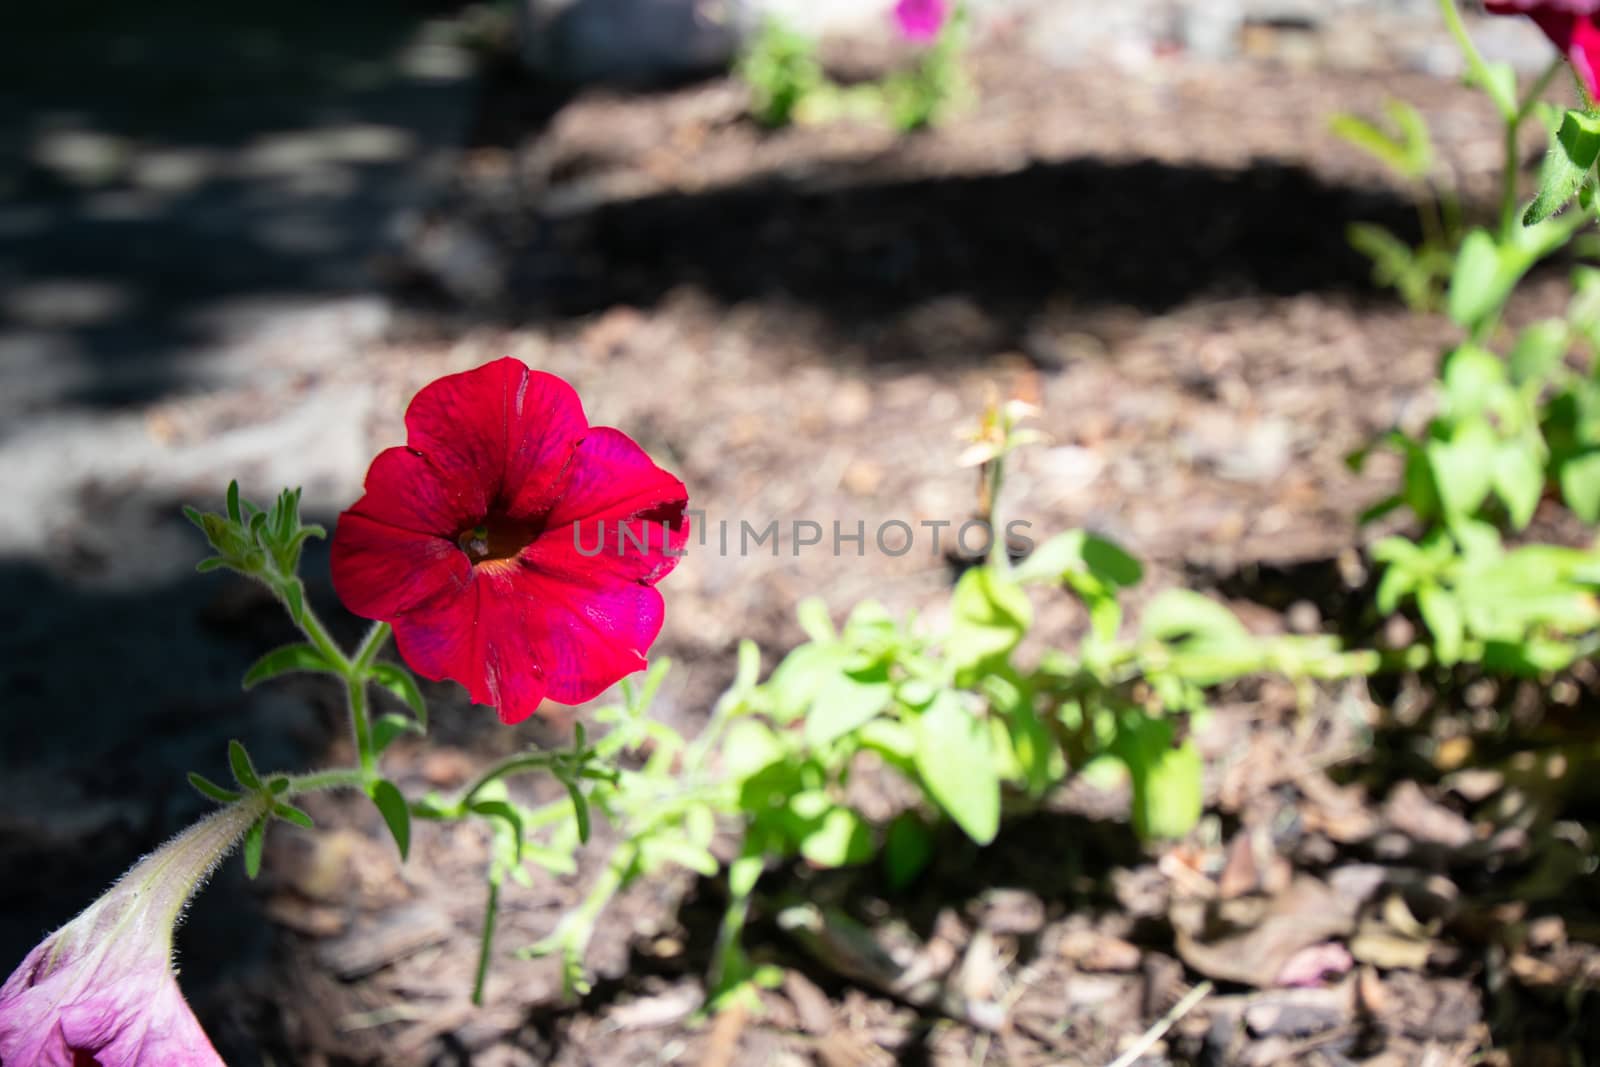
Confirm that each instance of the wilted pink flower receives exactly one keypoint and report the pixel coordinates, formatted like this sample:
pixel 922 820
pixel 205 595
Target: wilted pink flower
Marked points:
pixel 921 20
pixel 100 991
pixel 1572 26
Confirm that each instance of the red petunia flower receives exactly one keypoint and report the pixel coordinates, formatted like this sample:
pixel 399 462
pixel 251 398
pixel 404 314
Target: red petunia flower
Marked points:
pixel 1573 25
pixel 513 547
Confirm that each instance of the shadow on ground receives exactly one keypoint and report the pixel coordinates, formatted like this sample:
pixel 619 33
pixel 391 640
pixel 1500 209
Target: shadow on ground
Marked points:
pixel 163 170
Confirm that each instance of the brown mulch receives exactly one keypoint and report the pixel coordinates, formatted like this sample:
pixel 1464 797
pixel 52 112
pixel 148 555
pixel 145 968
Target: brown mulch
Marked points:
pixel 799 323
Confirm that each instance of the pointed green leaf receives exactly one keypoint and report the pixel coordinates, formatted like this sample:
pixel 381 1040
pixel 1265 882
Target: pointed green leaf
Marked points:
pixel 841 840
pixel 254 838
pixel 989 614
pixel 1519 480
pixel 234 513
pixel 1580 486
pixel 392 806
pixel 390 726
pixel 244 771
pixel 1165 776
pixel 844 702
pixel 289 813
pixel 1463 468
pixel 955 759
pixel 1475 285
pixel 286 660
pixel 1443 615
pixel 1573 148
pixel 397 680
pixel 211 789
pixel 507 812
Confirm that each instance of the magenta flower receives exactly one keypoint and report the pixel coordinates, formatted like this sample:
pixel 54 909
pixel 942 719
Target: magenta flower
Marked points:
pixel 100 991
pixel 514 548
pixel 921 20
pixel 1572 26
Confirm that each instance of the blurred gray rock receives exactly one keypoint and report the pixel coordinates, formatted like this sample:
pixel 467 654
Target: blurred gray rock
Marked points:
pixel 631 40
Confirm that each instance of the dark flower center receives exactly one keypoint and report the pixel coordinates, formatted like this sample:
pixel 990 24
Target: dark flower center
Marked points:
pixel 497 537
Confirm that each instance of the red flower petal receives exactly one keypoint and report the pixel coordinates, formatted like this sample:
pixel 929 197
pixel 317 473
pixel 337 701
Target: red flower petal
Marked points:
pixel 1570 25
pixel 502 435
pixel 478 637
pixel 505 453
pixel 613 485
pixel 396 547
pixel 587 639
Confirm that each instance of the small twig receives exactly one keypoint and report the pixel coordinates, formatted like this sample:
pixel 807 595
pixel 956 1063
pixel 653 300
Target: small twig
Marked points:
pixel 1166 1022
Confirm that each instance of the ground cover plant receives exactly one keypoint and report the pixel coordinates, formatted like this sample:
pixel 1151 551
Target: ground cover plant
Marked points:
pixel 513 549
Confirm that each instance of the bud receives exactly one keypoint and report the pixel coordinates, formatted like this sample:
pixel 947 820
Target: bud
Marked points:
pixel 101 989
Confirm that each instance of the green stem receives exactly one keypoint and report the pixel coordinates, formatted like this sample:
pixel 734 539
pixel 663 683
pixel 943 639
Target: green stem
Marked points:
pixel 486 938
pixel 1540 84
pixel 509 765
pixel 317 781
pixel 999 551
pixel 1508 183
pixel 356 691
pixel 375 639
pixel 317 634
pixel 1477 69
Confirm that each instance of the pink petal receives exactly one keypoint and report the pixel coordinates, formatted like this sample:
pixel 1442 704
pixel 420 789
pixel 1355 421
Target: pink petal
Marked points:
pixel 507 431
pixel 380 570
pixel 613 486
pixel 478 636
pixel 588 638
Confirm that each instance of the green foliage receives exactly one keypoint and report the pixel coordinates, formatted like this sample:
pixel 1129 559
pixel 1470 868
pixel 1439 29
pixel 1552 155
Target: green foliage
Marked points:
pixel 953 711
pixel 265 545
pixel 1404 146
pixel 788 85
pixel 781 69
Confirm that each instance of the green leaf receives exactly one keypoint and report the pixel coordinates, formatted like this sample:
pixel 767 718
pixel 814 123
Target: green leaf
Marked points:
pixel 1443 615
pixel 955 760
pixel 507 813
pixel 211 789
pixel 743 873
pixel 1580 486
pixel 748 747
pixel 289 658
pixel 1078 552
pixel 254 839
pixel 1471 379
pixel 1476 287
pixel 1539 350
pixel 1404 158
pixel 1165 776
pixel 845 702
pixel 814 619
pixel 803 672
pixel 290 813
pixel 580 808
pixel 392 806
pixel 907 848
pixel 1179 613
pixel 1519 480
pixel 842 840
pixel 1573 148
pixel 1499 81
pixel 277 784
pixel 1463 468
pixel 244 771
pixel 989 614
pixel 235 515
pixel 390 726
pixel 398 681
